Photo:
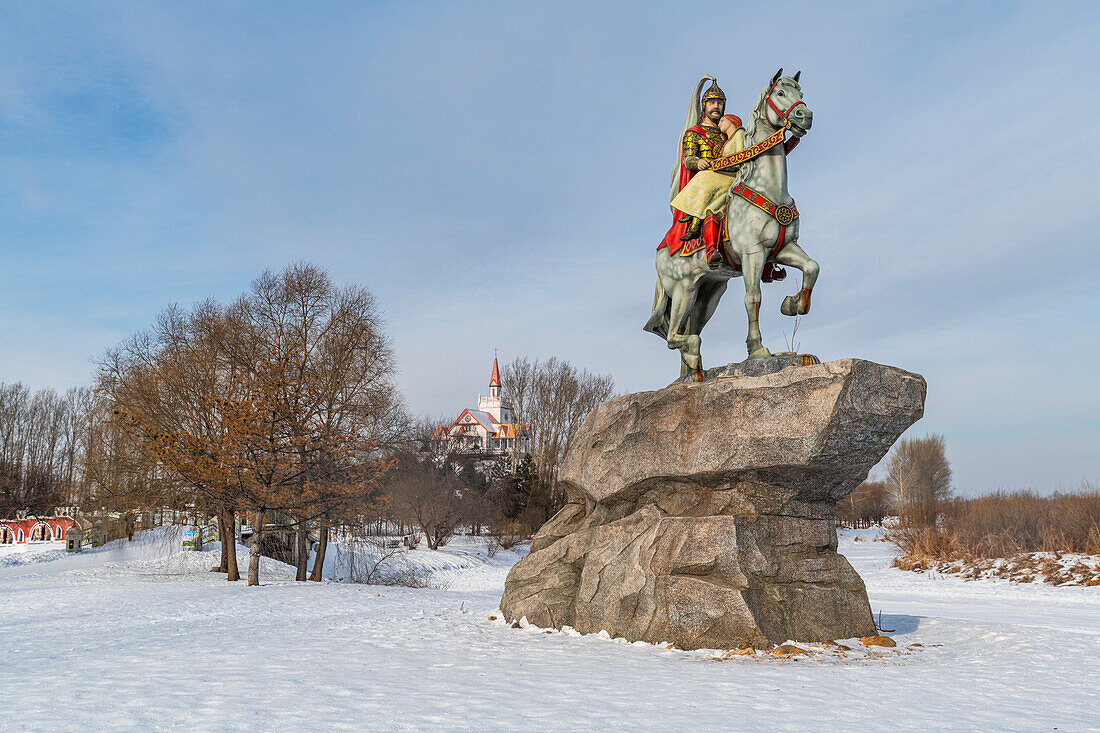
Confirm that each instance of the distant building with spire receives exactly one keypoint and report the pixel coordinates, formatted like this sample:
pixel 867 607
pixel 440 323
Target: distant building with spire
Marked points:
pixel 489 430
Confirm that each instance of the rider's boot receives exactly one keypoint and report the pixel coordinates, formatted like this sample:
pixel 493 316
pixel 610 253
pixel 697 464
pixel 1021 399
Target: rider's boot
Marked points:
pixel 693 230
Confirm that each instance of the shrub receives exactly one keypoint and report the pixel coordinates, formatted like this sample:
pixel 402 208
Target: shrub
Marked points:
pixel 507 535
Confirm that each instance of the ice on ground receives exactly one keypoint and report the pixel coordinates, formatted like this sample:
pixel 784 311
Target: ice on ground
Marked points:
pixel 143 636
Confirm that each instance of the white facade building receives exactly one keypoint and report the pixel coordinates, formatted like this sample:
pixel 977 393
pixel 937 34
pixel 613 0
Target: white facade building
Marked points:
pixel 491 429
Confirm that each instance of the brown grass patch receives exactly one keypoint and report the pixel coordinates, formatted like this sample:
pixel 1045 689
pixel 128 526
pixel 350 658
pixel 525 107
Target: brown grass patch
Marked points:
pixel 877 640
pixel 1019 536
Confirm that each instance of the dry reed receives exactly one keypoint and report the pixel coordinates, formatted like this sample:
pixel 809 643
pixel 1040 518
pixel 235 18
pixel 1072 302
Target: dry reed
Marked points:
pixel 1005 525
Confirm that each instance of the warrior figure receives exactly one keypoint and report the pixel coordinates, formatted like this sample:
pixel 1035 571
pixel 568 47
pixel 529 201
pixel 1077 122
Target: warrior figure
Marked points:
pixel 706 133
pixel 699 194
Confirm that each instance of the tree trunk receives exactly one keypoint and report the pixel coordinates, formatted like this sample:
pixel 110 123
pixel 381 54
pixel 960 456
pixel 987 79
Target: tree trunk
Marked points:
pixel 225 538
pixel 432 539
pixel 303 550
pixel 319 561
pixel 231 570
pixel 254 550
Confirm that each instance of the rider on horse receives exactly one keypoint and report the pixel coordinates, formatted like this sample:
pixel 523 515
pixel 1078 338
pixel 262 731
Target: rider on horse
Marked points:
pixel 699 194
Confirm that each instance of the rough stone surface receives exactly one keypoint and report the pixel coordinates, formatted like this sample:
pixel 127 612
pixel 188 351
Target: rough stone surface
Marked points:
pixel 757 367
pixel 704 513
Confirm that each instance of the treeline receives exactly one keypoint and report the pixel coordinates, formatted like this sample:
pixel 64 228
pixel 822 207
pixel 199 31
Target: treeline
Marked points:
pixel 41 445
pixel 933 525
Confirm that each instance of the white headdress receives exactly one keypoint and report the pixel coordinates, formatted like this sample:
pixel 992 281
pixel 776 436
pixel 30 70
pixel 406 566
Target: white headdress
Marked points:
pixel 690 121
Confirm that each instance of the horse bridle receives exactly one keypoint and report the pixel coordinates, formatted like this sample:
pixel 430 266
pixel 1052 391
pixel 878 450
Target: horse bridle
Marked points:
pixel 728 161
pixel 783 116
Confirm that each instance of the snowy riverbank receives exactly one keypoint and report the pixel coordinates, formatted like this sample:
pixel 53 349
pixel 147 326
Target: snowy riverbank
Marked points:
pixel 147 637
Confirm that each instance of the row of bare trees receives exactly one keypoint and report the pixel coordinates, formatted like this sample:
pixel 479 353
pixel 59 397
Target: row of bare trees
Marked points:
pixel 41 436
pixel 551 397
pixel 868 504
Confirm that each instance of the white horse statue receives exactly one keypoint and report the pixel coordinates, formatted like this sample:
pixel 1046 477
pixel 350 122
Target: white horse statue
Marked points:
pixel 762 224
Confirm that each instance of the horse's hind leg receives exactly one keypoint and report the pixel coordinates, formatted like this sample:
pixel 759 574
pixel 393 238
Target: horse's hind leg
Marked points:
pixel 793 255
pixel 683 300
pixel 752 266
pixel 710 294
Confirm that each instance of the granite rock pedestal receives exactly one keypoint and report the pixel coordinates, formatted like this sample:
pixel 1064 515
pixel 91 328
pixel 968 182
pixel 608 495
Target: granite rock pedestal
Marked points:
pixel 704 514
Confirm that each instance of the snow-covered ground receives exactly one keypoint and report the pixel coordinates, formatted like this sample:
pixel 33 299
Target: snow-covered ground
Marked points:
pixel 142 636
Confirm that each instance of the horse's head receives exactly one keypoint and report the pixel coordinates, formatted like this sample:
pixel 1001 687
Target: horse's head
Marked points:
pixel 782 102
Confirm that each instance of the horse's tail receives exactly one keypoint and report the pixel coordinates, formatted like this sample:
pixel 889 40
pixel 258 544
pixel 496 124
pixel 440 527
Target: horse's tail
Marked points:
pixel 658 319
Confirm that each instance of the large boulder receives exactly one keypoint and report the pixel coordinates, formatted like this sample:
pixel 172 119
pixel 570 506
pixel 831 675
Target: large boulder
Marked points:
pixel 703 514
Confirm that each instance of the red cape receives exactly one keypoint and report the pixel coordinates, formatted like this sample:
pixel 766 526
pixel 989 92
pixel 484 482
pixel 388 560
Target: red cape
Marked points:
pixel 711 229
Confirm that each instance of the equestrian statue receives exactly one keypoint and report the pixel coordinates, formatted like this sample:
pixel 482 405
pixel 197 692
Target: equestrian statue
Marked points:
pixel 732 216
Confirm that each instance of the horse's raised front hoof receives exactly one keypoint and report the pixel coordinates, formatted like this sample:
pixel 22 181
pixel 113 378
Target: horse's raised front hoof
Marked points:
pixel 796 305
pixel 803 301
pixel 760 352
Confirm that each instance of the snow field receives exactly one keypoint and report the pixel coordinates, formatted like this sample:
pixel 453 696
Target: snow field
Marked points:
pixel 25 554
pixel 147 638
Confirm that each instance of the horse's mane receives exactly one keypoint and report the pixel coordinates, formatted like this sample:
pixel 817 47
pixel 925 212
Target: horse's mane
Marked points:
pixel 757 118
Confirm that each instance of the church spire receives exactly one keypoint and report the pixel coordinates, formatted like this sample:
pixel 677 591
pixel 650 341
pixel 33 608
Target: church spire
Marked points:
pixel 494 381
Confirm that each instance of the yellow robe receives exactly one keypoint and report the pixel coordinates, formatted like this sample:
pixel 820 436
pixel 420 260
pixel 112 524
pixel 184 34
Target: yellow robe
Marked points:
pixel 706 192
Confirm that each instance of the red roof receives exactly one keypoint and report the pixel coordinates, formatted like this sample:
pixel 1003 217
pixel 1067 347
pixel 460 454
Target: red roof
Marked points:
pixel 494 381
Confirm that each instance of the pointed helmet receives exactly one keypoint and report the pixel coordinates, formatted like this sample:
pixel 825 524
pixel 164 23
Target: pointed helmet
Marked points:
pixel 714 92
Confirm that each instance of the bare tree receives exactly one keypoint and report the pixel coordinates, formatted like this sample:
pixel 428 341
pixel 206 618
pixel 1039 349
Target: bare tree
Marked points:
pixel 518 378
pixel 551 398
pixel 918 476
pixel 168 389
pixel 427 496
pixel 337 385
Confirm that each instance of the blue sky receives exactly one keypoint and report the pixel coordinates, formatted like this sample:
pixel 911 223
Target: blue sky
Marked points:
pixel 498 172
